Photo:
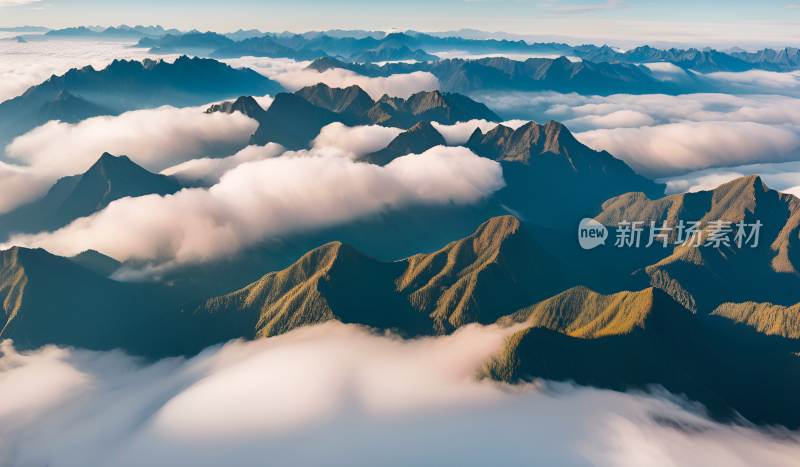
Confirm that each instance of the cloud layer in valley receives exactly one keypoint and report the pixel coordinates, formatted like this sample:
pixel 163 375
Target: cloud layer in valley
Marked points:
pixel 784 177
pixel 26 64
pixel 293 76
pixel 268 198
pixel 359 396
pixel 155 139
pixel 660 136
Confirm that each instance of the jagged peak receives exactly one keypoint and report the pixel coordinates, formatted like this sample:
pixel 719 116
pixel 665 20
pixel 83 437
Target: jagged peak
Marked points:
pixel 422 126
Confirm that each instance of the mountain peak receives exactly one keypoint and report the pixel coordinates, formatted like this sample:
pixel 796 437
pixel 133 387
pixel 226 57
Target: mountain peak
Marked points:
pixel 418 139
pixel 111 178
pixel 245 105
pixel 494 232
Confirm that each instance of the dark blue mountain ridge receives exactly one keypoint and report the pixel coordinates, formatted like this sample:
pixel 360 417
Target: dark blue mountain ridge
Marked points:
pixel 130 85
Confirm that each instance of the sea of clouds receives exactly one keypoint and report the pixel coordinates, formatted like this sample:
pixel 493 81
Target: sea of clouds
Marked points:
pixel 268 197
pixel 293 76
pixel 663 136
pixel 340 395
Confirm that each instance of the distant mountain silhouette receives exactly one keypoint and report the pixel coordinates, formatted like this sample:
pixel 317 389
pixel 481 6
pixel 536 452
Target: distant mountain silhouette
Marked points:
pixel 383 54
pixel 130 85
pixel 187 43
pixel 534 74
pixel 337 43
pixel 704 61
pixel 417 140
pixel 692 59
pixel 786 59
pixel 264 47
pixel 241 34
pixel 631 340
pixel 109 179
pixel 108 33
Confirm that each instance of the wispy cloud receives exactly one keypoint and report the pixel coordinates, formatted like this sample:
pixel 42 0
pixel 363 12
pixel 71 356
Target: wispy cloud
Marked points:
pixel 16 2
pixel 587 8
pixel 792 7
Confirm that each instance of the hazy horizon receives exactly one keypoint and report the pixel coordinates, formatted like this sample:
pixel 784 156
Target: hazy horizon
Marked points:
pixel 625 24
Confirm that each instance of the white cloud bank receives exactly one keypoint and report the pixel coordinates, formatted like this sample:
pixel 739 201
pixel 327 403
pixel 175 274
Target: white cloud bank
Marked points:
pixel 337 395
pixel 784 177
pixel 268 198
pixel 680 147
pixel 357 140
pixel 18 186
pixel 661 136
pixel 293 76
pixel 155 139
pixel 27 64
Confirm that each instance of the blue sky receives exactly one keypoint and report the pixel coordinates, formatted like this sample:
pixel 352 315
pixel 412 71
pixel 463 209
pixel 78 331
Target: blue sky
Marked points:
pixel 712 21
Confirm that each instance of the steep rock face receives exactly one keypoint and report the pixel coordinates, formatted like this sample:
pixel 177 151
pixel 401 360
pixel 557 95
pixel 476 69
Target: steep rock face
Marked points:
pixel 704 278
pixel 418 139
pixel 494 272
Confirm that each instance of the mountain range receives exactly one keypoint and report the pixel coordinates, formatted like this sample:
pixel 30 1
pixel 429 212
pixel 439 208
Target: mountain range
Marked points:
pixel 500 274
pixel 293 120
pixel 703 61
pixel 128 85
pixel 467 76
pixel 703 278
pixel 547 162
